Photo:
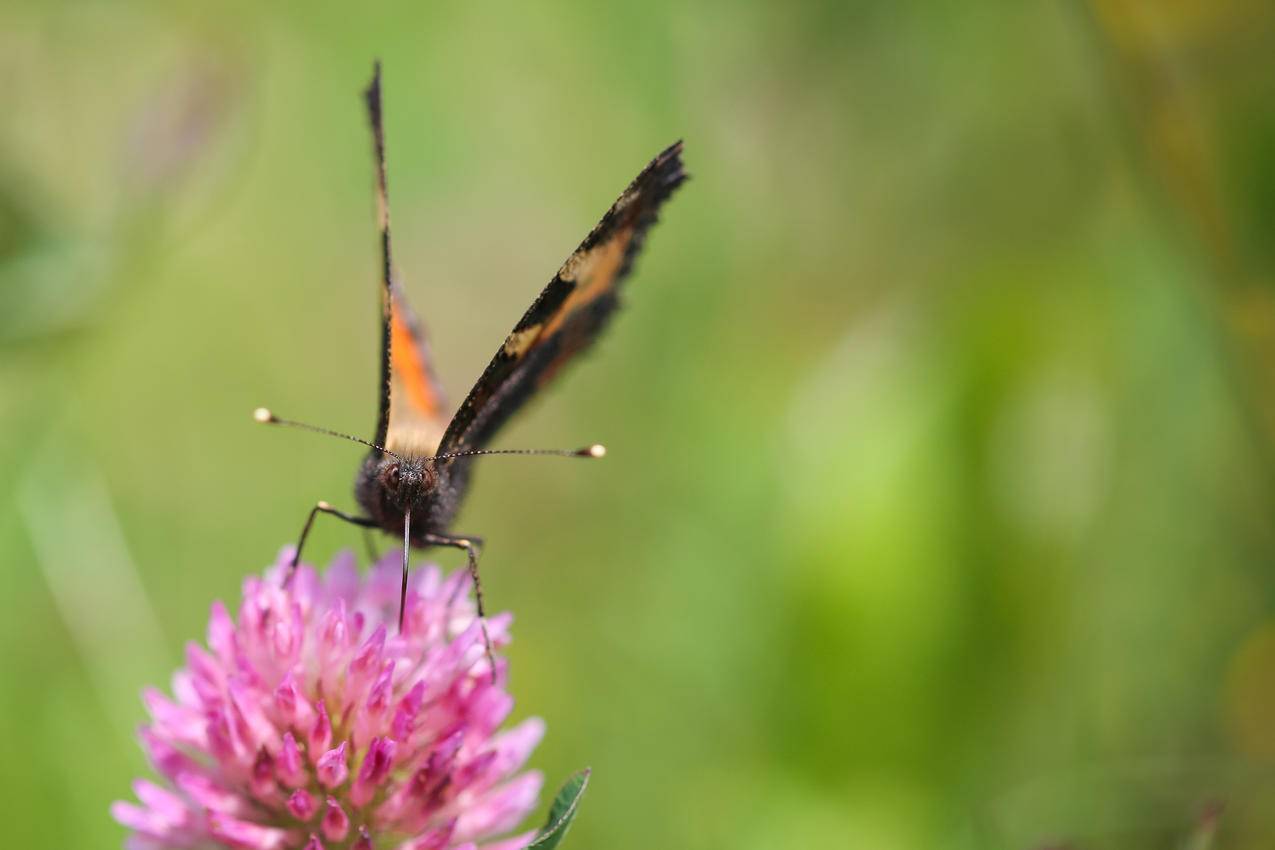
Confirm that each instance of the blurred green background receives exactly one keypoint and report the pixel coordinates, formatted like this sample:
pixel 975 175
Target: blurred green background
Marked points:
pixel 939 505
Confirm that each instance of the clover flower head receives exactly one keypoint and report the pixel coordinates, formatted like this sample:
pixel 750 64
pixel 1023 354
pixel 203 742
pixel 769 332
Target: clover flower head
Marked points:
pixel 310 721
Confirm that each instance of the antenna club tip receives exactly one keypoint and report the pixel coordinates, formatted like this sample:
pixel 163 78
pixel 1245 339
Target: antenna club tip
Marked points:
pixel 595 450
pixel 263 415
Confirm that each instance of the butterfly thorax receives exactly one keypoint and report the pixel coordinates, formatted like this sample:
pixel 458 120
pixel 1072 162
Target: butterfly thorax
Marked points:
pixel 387 487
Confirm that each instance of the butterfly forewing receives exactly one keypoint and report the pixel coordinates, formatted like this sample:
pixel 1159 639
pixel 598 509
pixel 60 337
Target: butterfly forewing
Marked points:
pixel 570 312
pixel 411 415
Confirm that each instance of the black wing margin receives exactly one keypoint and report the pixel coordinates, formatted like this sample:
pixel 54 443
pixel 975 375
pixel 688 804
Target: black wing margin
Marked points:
pixel 570 312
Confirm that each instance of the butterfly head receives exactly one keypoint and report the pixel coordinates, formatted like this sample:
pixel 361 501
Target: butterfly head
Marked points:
pixel 407 479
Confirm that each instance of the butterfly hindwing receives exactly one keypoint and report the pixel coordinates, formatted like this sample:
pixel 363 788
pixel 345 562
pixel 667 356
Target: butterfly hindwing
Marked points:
pixel 411 416
pixel 570 312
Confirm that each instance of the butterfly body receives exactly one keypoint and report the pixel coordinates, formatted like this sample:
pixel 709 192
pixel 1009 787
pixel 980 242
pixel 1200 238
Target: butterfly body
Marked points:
pixel 414 479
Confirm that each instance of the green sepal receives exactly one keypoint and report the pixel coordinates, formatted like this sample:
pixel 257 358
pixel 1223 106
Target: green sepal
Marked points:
pixel 561 813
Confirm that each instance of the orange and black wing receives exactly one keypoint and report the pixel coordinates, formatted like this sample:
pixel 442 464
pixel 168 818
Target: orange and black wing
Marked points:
pixel 571 311
pixel 411 417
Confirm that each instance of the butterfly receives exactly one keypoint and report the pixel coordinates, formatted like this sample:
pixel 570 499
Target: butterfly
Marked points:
pixel 415 476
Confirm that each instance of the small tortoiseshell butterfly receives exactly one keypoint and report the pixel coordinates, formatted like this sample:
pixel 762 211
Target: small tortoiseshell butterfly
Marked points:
pixel 412 482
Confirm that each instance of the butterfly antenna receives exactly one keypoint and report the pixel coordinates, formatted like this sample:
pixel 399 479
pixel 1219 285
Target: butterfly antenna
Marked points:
pixel 265 417
pixel 595 450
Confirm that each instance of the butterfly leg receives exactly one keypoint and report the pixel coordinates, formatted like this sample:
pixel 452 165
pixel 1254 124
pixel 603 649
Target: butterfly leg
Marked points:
pixel 321 507
pixel 471 545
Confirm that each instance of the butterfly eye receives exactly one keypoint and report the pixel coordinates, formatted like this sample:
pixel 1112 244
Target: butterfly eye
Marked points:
pixel 391 475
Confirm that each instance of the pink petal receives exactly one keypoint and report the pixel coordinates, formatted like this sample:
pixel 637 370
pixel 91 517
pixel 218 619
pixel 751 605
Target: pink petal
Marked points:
pixel 368 721
pixel 176 723
pixel 263 784
pixel 368 658
pixel 331 768
pixel 321 732
pixel 285 635
pixel 291 770
pixel 475 768
pixel 498 627
pixel 423 581
pixel 254 728
pixel 405 716
pixel 334 633
pixel 166 758
pixel 518 842
pixel 342 582
pixel 306 587
pixel 441 669
pixel 489 708
pixel 141 819
pixel 302 805
pixel 293 708
pixel 249 836
pixel 335 639
pixel 207 676
pixel 435 839
pixel 413 803
pixel 138 841
pixel 376 767
pixel 211 795
pixel 187 694
pixel 224 744
pixel 221 634
pixel 383 581
pixel 501 809
pixel 336 824
pixel 511 751
pixel 160 800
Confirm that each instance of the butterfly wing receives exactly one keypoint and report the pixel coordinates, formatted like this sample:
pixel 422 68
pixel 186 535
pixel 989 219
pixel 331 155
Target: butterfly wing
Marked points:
pixel 570 312
pixel 411 417
pixel 416 418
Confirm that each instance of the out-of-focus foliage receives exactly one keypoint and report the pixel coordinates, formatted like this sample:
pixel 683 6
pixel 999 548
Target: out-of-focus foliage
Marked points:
pixel 938 511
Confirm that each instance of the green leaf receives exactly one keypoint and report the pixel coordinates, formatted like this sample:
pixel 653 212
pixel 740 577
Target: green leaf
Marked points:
pixel 562 812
